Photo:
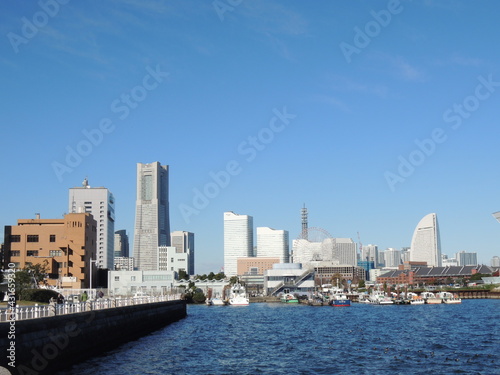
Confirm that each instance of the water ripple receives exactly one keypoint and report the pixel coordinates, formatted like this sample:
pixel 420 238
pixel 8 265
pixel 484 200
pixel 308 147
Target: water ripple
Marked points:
pixel 285 339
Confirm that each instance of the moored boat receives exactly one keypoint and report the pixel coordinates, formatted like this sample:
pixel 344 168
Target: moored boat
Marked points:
pixel 379 298
pixel 289 298
pixel 449 298
pixel 238 296
pixel 430 298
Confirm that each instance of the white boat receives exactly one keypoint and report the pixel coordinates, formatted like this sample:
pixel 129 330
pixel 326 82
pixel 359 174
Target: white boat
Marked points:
pixel 364 298
pixel 417 301
pixel 238 296
pixel 448 297
pixel 378 297
pixel 430 298
pixel 215 301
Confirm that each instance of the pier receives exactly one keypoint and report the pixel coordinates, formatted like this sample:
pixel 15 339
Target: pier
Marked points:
pixel 43 345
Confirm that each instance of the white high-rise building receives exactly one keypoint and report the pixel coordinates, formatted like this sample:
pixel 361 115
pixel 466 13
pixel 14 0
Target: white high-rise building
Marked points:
pixel 466 259
pixel 426 243
pixel 152 222
pixel 495 261
pixel 370 253
pixel 346 251
pixel 392 257
pixel 238 240
pixel 273 243
pixel 184 244
pixel 101 204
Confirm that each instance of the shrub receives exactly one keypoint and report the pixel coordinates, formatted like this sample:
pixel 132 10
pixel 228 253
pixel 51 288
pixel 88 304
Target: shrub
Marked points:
pixel 38 295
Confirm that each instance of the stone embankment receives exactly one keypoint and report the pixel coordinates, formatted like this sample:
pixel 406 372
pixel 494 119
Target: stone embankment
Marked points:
pixel 45 345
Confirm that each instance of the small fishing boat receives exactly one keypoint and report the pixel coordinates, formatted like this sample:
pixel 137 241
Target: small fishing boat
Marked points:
pixel 289 298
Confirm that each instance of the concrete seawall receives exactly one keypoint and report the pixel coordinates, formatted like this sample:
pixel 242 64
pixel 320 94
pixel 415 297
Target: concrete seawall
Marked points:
pixel 45 345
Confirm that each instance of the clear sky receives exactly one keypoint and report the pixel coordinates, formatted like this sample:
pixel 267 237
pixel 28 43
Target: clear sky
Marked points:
pixel 372 113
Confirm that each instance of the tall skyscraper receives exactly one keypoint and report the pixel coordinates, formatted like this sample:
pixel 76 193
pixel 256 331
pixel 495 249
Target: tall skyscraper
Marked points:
pixel 99 202
pixel 184 244
pixel 238 240
pixel 426 244
pixel 121 244
pixel 152 222
pixel 273 243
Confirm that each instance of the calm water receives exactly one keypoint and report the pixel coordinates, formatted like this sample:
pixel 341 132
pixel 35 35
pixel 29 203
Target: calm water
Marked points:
pixel 286 339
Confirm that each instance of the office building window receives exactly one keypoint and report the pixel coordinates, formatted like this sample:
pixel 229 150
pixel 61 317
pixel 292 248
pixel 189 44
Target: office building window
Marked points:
pixel 32 253
pixel 32 238
pixel 15 238
pixel 52 238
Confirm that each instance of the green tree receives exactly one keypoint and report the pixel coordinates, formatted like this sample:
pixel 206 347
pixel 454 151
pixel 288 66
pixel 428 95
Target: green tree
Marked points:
pixel 220 276
pixel 361 284
pixel 211 276
pixel 24 280
pixel 233 280
pixel 183 275
pixel 38 271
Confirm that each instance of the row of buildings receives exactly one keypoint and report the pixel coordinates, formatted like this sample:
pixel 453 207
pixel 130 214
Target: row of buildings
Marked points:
pixel 73 248
pixel 316 256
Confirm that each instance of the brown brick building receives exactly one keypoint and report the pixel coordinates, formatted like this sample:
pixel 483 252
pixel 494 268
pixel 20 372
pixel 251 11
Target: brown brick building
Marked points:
pixel 65 246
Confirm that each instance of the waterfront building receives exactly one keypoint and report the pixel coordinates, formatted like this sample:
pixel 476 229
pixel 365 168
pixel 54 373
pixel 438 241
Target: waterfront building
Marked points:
pixel 392 257
pixel 238 240
pixel 170 260
pixel 466 259
pixel 211 288
pixel 101 204
pixel 288 278
pixel 152 222
pixel 432 275
pixel 495 261
pixel 121 244
pixel 251 271
pixel 64 246
pixel 184 244
pixel 426 243
pixel 128 283
pixel 273 243
pixel 124 264
pixel 326 270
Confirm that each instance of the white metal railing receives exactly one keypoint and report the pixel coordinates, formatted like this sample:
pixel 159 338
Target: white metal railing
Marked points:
pixel 42 311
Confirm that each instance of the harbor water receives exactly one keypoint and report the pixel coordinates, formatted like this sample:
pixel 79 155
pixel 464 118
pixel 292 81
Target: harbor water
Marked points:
pixel 275 338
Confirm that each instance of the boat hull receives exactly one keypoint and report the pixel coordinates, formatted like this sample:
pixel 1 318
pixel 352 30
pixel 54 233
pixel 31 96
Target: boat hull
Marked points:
pixel 341 303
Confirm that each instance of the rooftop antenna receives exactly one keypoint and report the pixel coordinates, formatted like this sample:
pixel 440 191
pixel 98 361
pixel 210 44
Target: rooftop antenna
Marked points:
pixel 85 183
pixel 304 222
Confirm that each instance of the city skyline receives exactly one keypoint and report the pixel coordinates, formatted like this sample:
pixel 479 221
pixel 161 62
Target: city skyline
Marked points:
pixel 367 112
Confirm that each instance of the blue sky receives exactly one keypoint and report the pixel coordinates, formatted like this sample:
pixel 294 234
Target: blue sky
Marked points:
pixel 372 113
